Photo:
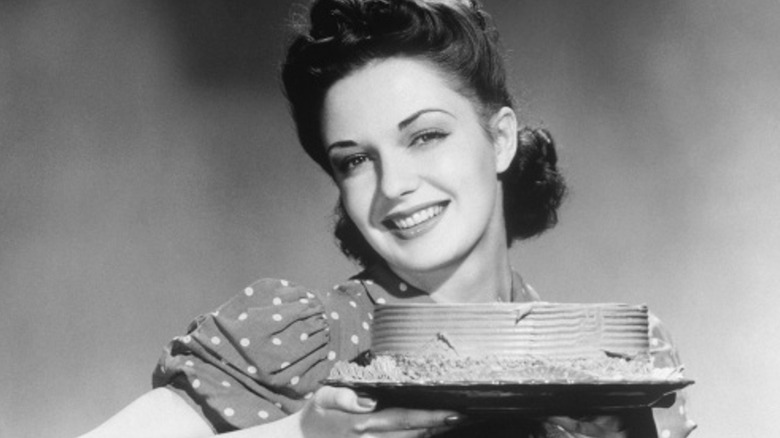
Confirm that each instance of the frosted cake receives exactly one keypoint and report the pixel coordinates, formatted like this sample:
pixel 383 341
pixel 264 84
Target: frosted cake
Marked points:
pixel 516 342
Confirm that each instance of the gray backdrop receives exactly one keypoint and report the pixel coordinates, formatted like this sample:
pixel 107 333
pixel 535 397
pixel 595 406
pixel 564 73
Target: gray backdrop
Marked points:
pixel 149 171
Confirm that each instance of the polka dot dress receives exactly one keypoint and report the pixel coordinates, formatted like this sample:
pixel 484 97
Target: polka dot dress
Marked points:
pixel 262 354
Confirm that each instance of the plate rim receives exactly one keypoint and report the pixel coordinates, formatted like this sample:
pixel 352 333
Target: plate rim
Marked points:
pixel 677 383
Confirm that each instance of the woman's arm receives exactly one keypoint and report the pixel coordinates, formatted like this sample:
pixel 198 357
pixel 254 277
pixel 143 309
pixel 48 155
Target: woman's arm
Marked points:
pixel 332 412
pixel 159 413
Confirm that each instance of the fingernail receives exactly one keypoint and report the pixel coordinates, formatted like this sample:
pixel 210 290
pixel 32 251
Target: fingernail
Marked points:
pixel 365 402
pixel 454 419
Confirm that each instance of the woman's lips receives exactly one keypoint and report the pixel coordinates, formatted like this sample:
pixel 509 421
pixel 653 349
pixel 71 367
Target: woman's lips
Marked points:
pixel 411 224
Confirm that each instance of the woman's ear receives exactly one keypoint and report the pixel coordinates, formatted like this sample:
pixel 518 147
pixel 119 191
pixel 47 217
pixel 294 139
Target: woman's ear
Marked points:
pixel 503 125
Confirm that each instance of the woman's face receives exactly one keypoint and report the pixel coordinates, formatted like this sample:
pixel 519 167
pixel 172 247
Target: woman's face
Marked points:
pixel 416 169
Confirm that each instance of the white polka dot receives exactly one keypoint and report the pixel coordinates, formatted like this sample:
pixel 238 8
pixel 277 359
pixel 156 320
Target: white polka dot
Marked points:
pixel 242 316
pixel 244 342
pixel 196 383
pixel 226 384
pixel 310 295
pixel 215 313
pixel 278 405
pixel 284 365
pixel 263 414
pixel 229 412
pixel 276 341
pixel 285 283
pixel 381 300
pixel 334 315
pixel 304 300
pixel 352 303
pixel 276 301
pixel 251 370
pixel 354 339
pixel 365 325
pixel 277 317
pixel 666 433
pixel 369 281
pixel 187 339
pixel 371 316
pixel 682 409
pixel 402 286
pixel 189 363
pixel 336 287
pixel 249 291
pixel 654 342
pixel 309 395
pixel 304 336
pixel 295 380
pixel 215 340
pixel 332 355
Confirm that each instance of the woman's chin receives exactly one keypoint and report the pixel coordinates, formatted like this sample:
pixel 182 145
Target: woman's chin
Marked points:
pixel 421 262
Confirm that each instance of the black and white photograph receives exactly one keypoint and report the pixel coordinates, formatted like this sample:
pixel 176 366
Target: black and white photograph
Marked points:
pixel 389 218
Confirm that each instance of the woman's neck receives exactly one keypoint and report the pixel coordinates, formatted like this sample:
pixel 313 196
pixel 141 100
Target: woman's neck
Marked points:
pixel 472 284
pixel 487 278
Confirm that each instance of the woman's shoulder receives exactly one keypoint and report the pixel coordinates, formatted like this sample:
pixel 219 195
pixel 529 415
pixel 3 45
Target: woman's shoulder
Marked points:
pixel 672 421
pixel 662 347
pixel 268 346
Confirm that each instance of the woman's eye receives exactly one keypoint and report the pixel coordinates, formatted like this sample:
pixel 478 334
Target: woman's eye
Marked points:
pixel 349 163
pixel 427 137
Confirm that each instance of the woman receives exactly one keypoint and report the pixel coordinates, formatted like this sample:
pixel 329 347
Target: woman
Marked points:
pixel 404 104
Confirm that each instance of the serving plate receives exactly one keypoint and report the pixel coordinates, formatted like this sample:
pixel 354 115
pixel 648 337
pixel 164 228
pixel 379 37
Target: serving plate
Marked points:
pixel 526 398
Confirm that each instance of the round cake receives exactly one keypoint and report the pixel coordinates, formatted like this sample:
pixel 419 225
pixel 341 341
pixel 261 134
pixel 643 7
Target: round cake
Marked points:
pixel 551 330
pixel 518 342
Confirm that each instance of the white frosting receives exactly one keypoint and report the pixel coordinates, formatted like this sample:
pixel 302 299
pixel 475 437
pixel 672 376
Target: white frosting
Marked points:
pixel 540 329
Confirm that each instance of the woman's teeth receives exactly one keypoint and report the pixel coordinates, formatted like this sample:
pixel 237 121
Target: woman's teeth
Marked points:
pixel 418 217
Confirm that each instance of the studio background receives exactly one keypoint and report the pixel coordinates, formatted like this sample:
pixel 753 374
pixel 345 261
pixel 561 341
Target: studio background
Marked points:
pixel 149 171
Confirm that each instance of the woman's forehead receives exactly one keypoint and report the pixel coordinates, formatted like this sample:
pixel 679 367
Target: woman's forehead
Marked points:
pixel 386 92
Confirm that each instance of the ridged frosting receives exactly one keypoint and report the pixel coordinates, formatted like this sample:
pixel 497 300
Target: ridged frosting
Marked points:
pixel 555 330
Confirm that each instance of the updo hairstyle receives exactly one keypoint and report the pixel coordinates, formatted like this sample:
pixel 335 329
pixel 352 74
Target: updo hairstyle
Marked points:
pixel 453 35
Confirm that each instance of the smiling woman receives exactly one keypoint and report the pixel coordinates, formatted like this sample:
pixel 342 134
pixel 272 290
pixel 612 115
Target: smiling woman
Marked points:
pixel 404 104
pixel 418 176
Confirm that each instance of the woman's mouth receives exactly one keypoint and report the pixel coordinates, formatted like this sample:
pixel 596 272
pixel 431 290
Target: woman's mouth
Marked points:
pixel 414 223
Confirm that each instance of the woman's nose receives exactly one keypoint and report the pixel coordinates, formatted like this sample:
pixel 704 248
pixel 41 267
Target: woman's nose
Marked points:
pixel 398 176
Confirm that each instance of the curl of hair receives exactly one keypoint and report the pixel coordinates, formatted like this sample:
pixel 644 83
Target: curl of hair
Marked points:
pixel 534 188
pixel 453 35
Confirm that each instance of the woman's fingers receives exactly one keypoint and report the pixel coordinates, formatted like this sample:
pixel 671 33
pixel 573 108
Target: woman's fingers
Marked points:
pixel 340 412
pixel 343 399
pixel 397 419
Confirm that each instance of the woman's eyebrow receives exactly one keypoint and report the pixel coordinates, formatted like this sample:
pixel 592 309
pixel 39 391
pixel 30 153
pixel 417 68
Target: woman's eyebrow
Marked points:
pixel 408 121
pixel 339 144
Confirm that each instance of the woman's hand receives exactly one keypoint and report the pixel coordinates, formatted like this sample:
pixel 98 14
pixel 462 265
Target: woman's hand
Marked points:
pixel 602 426
pixel 340 412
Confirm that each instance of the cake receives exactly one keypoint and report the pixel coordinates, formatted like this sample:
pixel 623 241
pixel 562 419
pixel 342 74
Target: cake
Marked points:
pixel 516 342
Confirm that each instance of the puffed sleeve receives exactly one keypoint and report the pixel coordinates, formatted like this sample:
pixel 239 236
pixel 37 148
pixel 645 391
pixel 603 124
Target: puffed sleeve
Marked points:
pixel 256 359
pixel 672 422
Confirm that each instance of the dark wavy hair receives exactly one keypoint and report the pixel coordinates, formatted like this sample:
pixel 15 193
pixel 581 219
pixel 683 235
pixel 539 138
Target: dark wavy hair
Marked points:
pixel 455 36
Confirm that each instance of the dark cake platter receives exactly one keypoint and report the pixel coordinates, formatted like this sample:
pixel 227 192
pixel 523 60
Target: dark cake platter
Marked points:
pixel 490 399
